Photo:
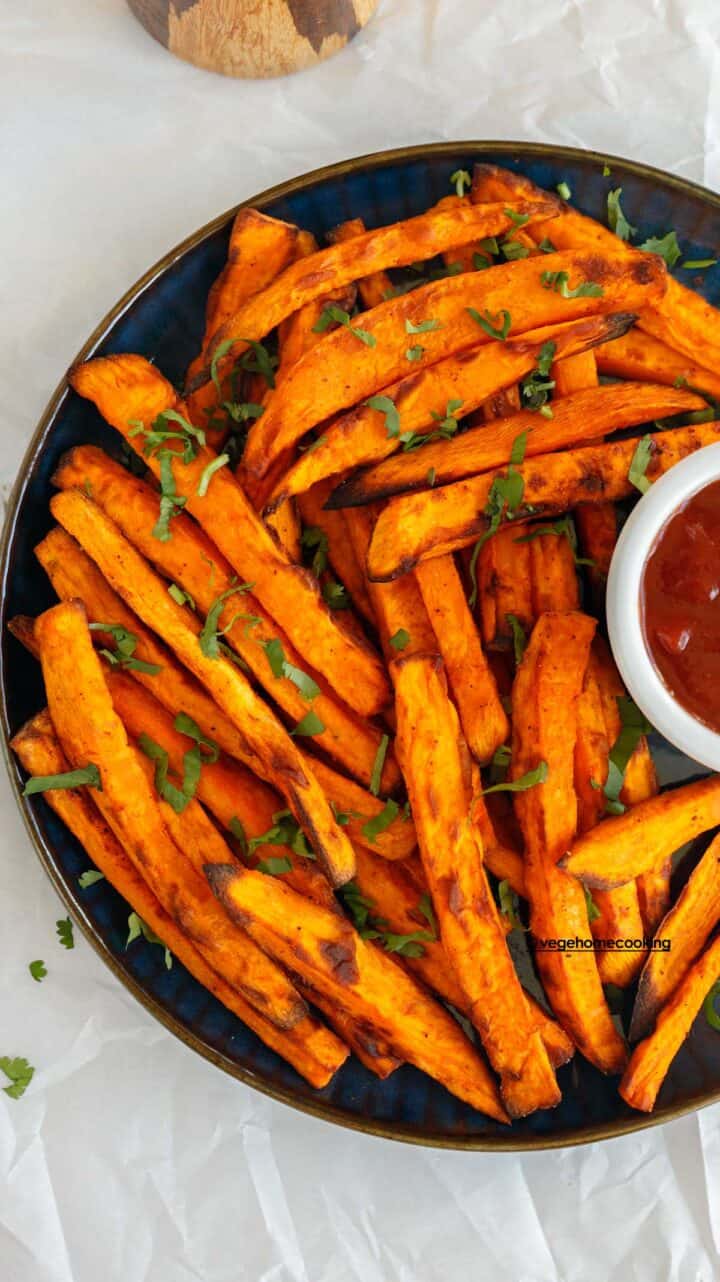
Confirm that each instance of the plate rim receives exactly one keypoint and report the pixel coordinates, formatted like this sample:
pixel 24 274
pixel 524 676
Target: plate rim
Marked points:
pixel 319 1107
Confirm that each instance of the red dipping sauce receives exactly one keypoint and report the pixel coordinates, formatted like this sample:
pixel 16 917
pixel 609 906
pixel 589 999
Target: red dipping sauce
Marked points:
pixel 680 601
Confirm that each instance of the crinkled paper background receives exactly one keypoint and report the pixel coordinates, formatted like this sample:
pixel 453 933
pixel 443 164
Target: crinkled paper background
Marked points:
pixel 129 1159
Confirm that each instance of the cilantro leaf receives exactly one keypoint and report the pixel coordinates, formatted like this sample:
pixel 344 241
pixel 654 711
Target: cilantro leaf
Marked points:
pixel 210 635
pixel 565 527
pixel 423 327
pixel 697 264
pixel 460 180
pixel 38 970
pixel 385 405
pixel 19 1072
pixel 285 831
pixel 563 190
pixel 171 503
pixel 90 877
pixel 512 250
pixel 214 466
pixel 281 667
pixel 380 822
pixel 400 639
pixel 85 776
pixel 425 908
pixel 378 763
pixel 335 314
pixel 593 912
pixel 497 326
pixel 633 726
pixel 528 780
pixel 558 281
pixel 639 464
pixel 710 1009
pixel 316 540
pixel 125 646
pixel 64 929
pixel 414 353
pixel 274 866
pixel 309 726
pixel 666 246
pixel 536 387
pixel 518 636
pixel 336 596
pixel 180 596
pixel 616 218
pixel 138 928
pixel 519 220
pixel 509 905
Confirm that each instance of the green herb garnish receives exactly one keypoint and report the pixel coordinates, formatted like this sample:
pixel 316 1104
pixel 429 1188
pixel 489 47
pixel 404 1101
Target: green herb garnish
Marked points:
pixel 38 970
pixel 385 405
pixel 18 1072
pixel 378 763
pixel 64 929
pixel 309 726
pixel 616 218
pixel 333 314
pixel 85 776
pixel 90 877
pixel 209 637
pixel 373 827
pixel 640 460
pixel 125 646
pixel 528 780
pixel 460 180
pixel 138 928
pixel 559 282
pixel 497 326
pixel 666 246
pixel 634 726
pixel 400 639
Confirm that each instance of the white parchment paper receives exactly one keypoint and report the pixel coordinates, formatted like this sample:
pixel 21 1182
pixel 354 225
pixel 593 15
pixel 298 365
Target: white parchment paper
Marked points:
pixel 129 1159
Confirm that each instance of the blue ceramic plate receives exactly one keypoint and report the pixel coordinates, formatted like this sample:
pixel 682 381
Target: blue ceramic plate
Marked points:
pixel 162 318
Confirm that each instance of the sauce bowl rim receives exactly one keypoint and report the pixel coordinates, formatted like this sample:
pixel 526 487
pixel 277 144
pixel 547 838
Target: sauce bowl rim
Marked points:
pixel 624 606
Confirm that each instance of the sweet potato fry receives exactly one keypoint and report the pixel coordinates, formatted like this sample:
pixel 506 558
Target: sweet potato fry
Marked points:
pixel 417 526
pixel 333 960
pixel 74 576
pixel 310 1047
pixel 237 799
pixel 640 783
pixel 396 245
pixel 595 523
pixel 191 560
pixel 434 762
pixel 574 374
pixel 553 579
pixel 298 333
pixel 340 550
pixel 394 892
pixel 687 927
pixel 580 417
pixel 504 586
pixel 89 730
pixel 375 288
pixel 361 435
pixel 398 608
pixel 316 388
pixel 278 759
pixel 684 321
pixel 128 389
pixel 482 716
pixel 637 355
pixel 260 248
pixel 627 845
pixel 651 1060
pixel 618 911
pixel 545 694
pixel 364 1043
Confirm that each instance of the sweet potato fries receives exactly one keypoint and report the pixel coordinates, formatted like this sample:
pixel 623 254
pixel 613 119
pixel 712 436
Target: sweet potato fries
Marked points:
pixel 328 701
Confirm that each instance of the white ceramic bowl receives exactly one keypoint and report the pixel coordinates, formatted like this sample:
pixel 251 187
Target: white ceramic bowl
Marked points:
pixel 624 620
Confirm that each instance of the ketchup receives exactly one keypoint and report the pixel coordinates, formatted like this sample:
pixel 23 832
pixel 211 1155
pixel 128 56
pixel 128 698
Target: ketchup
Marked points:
pixel 680 600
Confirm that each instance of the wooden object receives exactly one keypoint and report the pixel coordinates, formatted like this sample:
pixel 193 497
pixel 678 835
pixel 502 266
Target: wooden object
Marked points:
pixel 253 38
